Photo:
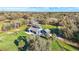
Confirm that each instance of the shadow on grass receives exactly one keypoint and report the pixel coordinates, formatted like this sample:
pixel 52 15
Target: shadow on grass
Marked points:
pixel 23 48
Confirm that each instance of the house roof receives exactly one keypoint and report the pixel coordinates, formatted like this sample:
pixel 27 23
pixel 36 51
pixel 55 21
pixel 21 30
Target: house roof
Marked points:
pixel 34 29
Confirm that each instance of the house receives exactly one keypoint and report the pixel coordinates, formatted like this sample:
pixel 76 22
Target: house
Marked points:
pixel 35 28
pixel 39 31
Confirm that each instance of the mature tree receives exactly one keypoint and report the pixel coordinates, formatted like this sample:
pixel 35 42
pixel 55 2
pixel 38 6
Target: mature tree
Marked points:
pixel 70 26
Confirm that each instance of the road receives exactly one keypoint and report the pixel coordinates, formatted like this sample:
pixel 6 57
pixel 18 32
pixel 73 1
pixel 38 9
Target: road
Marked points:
pixel 69 42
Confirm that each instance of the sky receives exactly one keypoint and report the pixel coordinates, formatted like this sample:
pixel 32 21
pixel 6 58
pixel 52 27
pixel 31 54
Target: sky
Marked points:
pixel 40 9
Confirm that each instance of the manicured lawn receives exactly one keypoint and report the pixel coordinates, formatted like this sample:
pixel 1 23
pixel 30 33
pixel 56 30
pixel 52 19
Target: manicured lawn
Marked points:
pixel 48 26
pixel 58 45
pixel 7 41
pixel 66 46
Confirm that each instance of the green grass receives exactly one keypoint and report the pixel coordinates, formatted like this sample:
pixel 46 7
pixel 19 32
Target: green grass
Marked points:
pixel 7 43
pixel 48 26
pixel 56 46
pixel 66 46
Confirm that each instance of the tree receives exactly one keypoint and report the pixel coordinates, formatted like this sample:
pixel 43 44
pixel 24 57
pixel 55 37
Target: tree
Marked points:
pixel 6 26
pixel 70 27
